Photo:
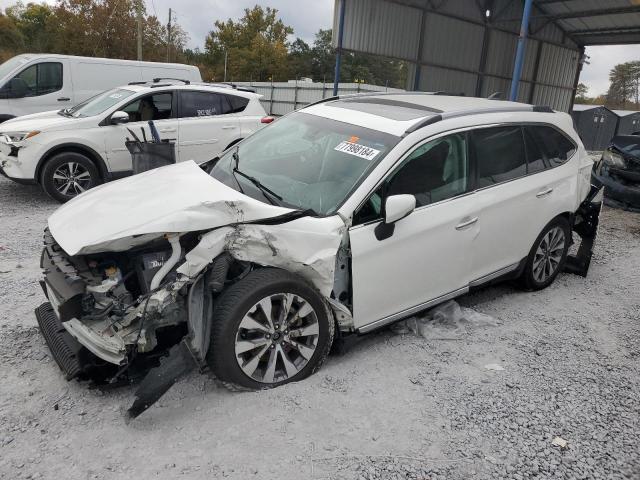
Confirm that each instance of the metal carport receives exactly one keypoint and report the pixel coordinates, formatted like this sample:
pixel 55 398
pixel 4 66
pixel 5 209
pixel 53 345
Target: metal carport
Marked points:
pixel 628 122
pixel 530 50
pixel 595 124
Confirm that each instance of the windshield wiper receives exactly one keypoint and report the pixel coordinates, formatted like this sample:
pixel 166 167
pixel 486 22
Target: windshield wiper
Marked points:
pixel 255 181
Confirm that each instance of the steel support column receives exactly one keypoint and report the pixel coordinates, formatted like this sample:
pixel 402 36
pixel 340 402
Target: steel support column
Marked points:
pixel 520 52
pixel 577 78
pixel 416 77
pixel 336 73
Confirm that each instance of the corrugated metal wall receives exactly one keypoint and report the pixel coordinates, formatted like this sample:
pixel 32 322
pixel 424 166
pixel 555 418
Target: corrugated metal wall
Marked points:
pixel 455 50
pixel 280 98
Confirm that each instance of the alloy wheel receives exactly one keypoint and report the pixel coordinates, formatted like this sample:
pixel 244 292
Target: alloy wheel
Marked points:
pixel 71 179
pixel 276 338
pixel 549 254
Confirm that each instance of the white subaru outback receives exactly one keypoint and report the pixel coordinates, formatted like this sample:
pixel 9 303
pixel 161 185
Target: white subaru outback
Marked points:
pixel 72 150
pixel 335 220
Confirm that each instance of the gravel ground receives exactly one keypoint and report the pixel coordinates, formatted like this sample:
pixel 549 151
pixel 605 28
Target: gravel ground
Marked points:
pixel 478 400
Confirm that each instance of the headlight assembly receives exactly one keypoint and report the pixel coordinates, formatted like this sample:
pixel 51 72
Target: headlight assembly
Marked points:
pixel 613 159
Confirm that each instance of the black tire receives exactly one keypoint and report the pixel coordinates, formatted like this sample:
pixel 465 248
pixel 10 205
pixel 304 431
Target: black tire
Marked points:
pixel 528 279
pixel 88 175
pixel 237 301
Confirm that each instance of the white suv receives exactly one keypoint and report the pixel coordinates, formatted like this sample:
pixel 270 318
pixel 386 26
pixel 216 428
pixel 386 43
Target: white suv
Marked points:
pixel 72 150
pixel 335 220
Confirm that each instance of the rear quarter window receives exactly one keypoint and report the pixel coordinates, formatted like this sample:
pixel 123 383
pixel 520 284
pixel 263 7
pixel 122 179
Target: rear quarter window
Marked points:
pixel 238 104
pixel 555 146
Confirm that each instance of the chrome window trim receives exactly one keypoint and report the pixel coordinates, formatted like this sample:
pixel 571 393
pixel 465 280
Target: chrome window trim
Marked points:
pixel 419 144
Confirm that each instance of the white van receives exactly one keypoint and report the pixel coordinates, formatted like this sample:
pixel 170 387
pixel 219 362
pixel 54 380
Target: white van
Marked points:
pixel 38 83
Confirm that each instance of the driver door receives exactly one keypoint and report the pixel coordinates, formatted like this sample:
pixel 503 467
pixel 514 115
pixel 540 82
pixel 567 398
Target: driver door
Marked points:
pixel 427 258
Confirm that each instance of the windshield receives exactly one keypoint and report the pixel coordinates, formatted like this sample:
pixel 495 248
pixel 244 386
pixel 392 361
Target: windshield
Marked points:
pixel 7 67
pixel 308 162
pixel 100 103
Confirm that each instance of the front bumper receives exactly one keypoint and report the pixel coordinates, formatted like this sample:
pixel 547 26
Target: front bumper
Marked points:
pixel 18 163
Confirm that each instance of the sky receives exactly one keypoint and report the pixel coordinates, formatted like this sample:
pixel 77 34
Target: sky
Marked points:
pixel 308 16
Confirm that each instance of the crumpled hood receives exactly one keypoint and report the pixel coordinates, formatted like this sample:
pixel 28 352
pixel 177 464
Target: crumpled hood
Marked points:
pixel 174 199
pixel 37 121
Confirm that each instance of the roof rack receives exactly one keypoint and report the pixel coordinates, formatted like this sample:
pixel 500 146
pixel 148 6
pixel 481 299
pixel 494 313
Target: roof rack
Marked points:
pixel 462 113
pixel 186 82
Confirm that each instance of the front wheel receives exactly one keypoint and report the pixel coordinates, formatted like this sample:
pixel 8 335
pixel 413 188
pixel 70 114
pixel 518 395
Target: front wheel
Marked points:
pixel 67 175
pixel 268 329
pixel 547 256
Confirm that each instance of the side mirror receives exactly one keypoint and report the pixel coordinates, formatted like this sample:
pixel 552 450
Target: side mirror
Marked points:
pixel 396 208
pixel 119 117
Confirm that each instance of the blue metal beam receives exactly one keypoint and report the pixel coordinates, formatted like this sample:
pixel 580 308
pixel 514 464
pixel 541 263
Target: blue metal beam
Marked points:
pixel 336 73
pixel 520 52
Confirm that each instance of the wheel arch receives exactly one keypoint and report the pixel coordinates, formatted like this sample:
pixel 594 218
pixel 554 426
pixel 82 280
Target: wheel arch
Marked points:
pixel 94 156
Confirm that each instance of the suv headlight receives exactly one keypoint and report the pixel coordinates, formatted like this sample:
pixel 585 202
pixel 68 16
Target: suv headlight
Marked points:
pixel 612 159
pixel 14 137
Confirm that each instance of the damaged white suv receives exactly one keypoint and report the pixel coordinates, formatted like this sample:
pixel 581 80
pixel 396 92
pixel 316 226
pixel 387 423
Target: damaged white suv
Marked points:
pixel 337 219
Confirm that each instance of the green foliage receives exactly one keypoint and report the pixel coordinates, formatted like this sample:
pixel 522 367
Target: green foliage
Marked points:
pixel 103 28
pixel 624 89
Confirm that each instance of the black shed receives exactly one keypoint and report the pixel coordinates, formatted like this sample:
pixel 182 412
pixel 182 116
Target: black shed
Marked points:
pixel 595 124
pixel 628 122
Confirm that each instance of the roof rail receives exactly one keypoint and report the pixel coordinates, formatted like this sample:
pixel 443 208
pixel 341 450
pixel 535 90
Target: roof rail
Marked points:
pixel 186 82
pixel 462 113
pixel 137 83
pixel 328 99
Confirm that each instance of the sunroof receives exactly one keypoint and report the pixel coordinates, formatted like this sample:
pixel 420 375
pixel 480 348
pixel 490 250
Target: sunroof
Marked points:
pixel 391 109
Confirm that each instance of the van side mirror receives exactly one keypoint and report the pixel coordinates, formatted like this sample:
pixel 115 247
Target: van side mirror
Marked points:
pixel 119 117
pixel 396 207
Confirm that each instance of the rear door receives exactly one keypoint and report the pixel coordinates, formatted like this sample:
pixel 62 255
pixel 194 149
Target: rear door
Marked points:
pixel 207 125
pixel 518 193
pixel 159 107
pixel 41 87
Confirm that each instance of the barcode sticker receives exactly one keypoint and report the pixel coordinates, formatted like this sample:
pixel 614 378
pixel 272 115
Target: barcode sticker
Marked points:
pixel 358 150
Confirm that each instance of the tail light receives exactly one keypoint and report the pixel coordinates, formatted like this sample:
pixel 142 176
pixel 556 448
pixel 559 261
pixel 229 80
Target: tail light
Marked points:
pixel 267 119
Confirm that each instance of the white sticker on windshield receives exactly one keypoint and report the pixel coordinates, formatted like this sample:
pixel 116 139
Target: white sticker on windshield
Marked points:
pixel 115 95
pixel 358 150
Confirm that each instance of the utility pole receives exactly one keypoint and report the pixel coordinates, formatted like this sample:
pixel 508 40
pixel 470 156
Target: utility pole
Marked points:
pixel 225 66
pixel 140 30
pixel 169 36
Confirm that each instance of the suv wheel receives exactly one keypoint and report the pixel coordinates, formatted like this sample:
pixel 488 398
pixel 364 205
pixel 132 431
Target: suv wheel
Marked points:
pixel 269 328
pixel 547 255
pixel 67 175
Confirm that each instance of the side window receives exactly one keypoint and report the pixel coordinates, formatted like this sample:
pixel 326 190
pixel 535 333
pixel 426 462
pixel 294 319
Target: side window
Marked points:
pixel 150 107
pixel 38 79
pixel 202 104
pixel 535 157
pixel 238 104
pixel 500 154
pixel 433 172
pixel 555 146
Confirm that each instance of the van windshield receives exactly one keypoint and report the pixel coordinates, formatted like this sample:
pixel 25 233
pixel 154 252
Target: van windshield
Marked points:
pixel 10 65
pixel 98 104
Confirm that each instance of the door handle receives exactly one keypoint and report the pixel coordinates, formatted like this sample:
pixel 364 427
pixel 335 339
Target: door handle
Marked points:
pixel 466 223
pixel 228 127
pixel 167 130
pixel 542 193
pixel 64 99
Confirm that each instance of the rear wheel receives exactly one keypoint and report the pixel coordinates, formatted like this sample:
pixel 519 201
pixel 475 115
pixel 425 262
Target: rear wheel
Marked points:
pixel 547 256
pixel 67 175
pixel 270 328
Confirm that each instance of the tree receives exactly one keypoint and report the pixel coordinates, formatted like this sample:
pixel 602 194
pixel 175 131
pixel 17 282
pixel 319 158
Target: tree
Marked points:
pixel 581 93
pixel 256 45
pixel 625 85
